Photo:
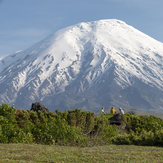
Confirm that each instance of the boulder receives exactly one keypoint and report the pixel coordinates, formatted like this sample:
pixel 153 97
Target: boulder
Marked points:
pixel 38 106
pixel 116 119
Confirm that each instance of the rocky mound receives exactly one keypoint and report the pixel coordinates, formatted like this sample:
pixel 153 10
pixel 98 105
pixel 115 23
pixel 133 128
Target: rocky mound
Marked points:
pixel 38 106
pixel 116 119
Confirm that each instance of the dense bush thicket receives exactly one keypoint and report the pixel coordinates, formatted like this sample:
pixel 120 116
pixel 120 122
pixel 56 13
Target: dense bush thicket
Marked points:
pixel 144 131
pixel 76 127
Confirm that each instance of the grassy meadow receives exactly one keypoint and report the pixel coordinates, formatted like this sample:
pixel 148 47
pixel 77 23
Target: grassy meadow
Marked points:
pixel 22 153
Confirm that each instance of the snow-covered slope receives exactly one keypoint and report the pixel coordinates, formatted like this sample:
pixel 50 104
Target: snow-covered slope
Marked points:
pixel 88 57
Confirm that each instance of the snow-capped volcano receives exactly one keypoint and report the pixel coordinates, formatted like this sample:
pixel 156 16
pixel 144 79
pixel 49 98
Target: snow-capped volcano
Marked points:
pixel 88 65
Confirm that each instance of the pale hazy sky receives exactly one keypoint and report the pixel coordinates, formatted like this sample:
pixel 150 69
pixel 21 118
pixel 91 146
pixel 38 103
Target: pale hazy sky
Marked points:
pixel 26 22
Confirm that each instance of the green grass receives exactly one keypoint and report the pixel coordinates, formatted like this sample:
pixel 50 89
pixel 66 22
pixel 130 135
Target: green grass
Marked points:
pixel 20 153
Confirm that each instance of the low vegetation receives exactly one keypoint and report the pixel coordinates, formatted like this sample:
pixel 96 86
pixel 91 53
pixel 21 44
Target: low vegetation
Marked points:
pixel 76 128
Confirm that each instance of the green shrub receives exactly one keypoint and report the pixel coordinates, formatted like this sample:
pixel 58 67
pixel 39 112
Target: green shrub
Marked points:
pixel 8 112
pixel 21 137
pixel 103 131
pixel 144 122
pixel 56 130
pixel 34 117
pixel 122 139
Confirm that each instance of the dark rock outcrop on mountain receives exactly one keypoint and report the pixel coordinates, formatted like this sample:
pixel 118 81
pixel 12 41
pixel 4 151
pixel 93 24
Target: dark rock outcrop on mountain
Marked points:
pixel 38 106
